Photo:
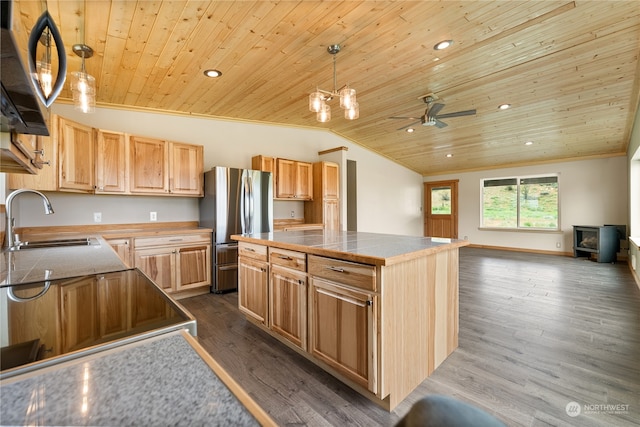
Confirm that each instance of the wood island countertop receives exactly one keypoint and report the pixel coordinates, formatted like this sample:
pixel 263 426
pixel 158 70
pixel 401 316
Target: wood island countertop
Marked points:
pixel 367 248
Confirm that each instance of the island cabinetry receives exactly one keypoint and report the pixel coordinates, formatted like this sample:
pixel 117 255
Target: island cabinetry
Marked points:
pixel 288 295
pixel 294 180
pixel 79 314
pixel 325 206
pixel 76 155
pixel 253 282
pixel 342 319
pixel 114 310
pixel 178 264
pixel 112 162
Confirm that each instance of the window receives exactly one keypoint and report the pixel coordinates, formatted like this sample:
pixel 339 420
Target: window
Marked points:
pixel 520 203
pixel 441 201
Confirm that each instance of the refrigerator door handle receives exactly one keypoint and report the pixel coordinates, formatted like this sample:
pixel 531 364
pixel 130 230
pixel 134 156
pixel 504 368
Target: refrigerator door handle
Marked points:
pixel 246 202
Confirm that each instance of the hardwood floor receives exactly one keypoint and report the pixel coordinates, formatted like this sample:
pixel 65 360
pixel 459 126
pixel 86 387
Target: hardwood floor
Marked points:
pixel 536 333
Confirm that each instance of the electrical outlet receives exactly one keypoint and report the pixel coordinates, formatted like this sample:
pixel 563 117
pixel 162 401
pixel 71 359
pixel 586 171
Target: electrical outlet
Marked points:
pixel 97 217
pixel 558 245
pixel 153 216
pixel 292 214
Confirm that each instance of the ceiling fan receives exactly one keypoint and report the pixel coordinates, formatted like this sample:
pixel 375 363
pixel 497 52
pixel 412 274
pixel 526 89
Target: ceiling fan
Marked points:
pixel 431 116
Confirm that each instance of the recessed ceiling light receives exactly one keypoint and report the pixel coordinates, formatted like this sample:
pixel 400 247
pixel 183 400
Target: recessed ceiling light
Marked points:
pixel 212 73
pixel 528 143
pixel 504 106
pixel 449 155
pixel 410 130
pixel 443 44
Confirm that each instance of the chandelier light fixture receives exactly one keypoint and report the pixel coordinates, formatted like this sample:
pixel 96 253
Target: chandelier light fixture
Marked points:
pixel 318 100
pixel 83 84
pixel 44 75
pixel 46 33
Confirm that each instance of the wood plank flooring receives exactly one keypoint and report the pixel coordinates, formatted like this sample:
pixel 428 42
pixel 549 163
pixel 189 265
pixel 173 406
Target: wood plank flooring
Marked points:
pixel 536 333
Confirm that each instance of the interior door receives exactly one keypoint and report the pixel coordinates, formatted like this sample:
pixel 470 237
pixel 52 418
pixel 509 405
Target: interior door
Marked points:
pixel 441 213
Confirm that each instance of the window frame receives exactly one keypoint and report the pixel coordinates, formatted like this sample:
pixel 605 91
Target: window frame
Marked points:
pixel 518 179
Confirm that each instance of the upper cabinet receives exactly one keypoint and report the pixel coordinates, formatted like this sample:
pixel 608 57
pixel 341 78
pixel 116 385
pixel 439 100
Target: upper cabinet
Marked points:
pixel 150 165
pixel 112 162
pixel 325 206
pixel 294 180
pixel 99 161
pixel 75 156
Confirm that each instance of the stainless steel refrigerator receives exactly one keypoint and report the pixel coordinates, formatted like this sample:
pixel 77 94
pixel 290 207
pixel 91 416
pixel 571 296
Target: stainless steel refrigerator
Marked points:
pixel 236 201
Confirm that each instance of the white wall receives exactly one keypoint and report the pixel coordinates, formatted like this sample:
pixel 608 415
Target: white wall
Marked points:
pixel 592 192
pixel 389 195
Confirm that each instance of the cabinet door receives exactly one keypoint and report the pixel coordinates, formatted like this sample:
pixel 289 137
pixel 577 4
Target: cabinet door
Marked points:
pixel 342 330
pixel 330 180
pixel 186 169
pixel 288 308
pixel 159 265
pixel 331 214
pixel 75 156
pixel 123 249
pixel 147 305
pixel 47 178
pixel 113 305
pixel 253 288
pixel 193 267
pixel 112 162
pixel 79 314
pixel 285 179
pixel 149 165
pixel 303 181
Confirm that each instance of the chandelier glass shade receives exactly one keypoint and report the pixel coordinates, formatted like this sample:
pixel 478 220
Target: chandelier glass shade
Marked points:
pixel 83 84
pixel 318 100
pixel 44 74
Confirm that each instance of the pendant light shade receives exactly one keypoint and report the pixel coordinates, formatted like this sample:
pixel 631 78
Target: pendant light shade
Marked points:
pixel 316 101
pixel 324 115
pixel 352 112
pixel 347 97
pixel 83 85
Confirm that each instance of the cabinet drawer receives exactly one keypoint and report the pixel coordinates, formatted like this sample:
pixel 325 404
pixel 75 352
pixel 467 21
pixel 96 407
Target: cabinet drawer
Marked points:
pixel 349 273
pixel 174 239
pixel 252 250
pixel 285 258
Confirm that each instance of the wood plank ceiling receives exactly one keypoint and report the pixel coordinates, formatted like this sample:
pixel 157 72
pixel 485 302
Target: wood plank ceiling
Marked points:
pixel 569 69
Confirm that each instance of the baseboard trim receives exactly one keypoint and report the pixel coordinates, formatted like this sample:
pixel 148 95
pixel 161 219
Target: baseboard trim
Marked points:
pixel 533 251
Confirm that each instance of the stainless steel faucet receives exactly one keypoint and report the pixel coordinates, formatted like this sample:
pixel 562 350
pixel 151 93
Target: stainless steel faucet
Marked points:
pixel 11 237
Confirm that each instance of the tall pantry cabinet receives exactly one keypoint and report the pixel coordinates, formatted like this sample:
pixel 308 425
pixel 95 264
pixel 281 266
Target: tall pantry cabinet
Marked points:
pixel 325 206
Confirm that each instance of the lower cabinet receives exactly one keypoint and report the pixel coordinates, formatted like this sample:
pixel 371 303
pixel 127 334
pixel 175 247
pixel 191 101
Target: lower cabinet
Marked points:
pixel 176 263
pixel 123 249
pixel 288 307
pixel 342 330
pixel 79 314
pixel 253 288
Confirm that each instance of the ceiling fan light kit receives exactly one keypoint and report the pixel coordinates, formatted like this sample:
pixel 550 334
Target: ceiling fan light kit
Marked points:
pixel 431 116
pixel 318 100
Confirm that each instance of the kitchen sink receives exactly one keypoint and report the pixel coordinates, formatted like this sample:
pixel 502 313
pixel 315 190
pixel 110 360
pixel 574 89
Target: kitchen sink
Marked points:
pixel 40 244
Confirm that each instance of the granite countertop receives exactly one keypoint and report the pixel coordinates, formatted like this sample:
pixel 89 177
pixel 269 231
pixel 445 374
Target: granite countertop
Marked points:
pixel 368 248
pixel 166 380
pixel 34 265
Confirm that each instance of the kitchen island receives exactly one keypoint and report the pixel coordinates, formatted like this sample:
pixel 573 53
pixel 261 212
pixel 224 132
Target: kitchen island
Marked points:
pixel 378 311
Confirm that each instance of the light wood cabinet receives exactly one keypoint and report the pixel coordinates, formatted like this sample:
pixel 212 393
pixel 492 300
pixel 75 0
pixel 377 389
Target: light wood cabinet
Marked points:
pixel 186 168
pixel 114 310
pixel 294 180
pixel 122 246
pixel 112 162
pixel 79 314
pixel 176 263
pixel 76 157
pixel 288 295
pixel 342 330
pixel 150 165
pixel 325 206
pixel 253 282
pixel 19 153
pixel 265 164
pixel 46 179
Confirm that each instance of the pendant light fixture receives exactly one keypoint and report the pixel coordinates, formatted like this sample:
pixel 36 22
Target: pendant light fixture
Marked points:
pixel 318 100
pixel 83 84
pixel 44 75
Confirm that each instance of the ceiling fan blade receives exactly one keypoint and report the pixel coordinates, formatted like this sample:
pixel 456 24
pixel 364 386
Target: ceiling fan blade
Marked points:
pixel 456 114
pixel 440 124
pixel 409 125
pixel 405 118
pixel 434 110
